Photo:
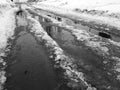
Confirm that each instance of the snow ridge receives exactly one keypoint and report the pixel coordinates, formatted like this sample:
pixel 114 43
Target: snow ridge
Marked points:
pixel 7 26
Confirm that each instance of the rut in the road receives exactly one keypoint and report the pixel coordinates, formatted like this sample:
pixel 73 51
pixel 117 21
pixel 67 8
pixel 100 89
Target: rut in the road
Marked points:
pixel 29 66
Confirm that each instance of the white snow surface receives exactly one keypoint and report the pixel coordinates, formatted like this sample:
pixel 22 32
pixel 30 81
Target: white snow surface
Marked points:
pixel 20 0
pixel 4 1
pixel 110 5
pixel 7 25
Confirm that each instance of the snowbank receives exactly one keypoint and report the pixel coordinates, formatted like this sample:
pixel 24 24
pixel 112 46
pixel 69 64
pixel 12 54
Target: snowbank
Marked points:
pixel 7 27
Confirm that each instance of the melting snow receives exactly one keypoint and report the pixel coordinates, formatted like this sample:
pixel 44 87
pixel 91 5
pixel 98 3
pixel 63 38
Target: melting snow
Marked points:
pixel 7 26
pixel 64 61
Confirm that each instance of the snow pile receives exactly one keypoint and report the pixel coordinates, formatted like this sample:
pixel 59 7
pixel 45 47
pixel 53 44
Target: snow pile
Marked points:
pixel 7 26
pixel 58 55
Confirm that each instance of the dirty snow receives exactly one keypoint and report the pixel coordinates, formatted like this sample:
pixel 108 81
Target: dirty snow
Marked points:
pixel 7 26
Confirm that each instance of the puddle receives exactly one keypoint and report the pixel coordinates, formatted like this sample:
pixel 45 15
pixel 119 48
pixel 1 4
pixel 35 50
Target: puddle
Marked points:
pixel 29 67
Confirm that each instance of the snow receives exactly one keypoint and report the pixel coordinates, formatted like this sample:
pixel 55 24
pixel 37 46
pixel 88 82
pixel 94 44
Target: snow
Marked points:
pixel 110 5
pixel 20 0
pixel 4 1
pixel 7 27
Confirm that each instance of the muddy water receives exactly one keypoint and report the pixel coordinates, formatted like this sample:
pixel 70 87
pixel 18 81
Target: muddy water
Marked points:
pixel 29 66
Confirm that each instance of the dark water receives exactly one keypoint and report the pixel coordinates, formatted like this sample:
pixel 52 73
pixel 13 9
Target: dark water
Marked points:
pixel 30 67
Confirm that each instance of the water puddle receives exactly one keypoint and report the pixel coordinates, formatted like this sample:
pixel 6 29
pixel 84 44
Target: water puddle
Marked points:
pixel 29 67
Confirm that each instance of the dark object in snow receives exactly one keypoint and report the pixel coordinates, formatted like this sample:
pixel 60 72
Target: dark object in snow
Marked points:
pixel 76 22
pixel 25 72
pixel 48 29
pixel 59 19
pixel 105 35
pixel 12 0
pixel 49 15
pixel 19 12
